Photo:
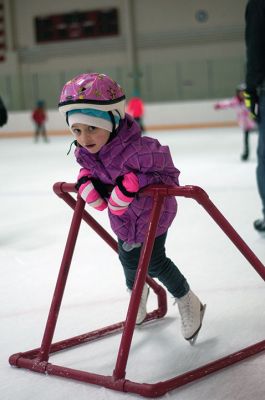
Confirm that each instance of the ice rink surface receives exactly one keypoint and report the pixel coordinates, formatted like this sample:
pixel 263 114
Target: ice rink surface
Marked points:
pixel 34 228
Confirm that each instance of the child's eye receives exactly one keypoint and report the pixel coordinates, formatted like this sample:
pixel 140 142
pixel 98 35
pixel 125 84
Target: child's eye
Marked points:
pixel 91 128
pixel 76 131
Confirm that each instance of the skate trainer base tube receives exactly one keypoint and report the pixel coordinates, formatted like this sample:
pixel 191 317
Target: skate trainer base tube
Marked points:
pixel 37 359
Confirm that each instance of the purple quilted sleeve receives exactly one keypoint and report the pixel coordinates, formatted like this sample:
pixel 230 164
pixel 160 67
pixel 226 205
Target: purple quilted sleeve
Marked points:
pixel 154 164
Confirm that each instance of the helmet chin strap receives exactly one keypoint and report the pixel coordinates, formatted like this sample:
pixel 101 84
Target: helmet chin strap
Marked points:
pixel 70 148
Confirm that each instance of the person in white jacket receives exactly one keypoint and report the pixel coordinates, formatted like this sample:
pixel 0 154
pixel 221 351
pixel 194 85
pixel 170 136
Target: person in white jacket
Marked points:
pixel 246 123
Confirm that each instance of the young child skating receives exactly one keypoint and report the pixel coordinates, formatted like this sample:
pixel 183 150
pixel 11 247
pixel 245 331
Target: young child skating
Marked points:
pixel 135 107
pixel 111 151
pixel 39 117
pixel 243 117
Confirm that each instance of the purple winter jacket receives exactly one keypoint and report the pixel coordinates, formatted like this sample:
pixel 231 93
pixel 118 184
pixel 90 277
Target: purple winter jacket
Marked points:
pixel 150 161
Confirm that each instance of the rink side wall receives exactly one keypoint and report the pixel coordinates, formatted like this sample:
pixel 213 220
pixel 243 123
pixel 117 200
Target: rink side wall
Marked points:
pixel 158 116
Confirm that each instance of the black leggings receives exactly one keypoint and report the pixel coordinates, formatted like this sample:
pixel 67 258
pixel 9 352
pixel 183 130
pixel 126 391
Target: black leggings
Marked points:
pixel 160 267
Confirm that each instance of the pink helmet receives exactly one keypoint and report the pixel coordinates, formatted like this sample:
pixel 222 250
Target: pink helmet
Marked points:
pixel 92 90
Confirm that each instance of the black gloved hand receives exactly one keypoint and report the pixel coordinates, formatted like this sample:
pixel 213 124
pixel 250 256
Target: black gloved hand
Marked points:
pixel 100 187
pixel 251 100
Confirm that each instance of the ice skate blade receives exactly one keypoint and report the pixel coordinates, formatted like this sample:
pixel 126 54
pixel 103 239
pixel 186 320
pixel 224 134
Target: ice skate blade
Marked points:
pixel 192 340
pixel 141 322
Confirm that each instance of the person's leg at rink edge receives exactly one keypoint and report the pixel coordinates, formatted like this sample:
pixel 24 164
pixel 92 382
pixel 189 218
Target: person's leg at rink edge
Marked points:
pixel 37 133
pixel 260 223
pixel 44 133
pixel 245 154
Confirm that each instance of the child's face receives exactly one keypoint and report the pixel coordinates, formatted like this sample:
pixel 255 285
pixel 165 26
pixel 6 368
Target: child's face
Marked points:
pixel 90 137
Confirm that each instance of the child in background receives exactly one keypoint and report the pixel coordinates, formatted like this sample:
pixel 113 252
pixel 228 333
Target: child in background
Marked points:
pixel 39 117
pixel 243 116
pixel 135 107
pixel 111 151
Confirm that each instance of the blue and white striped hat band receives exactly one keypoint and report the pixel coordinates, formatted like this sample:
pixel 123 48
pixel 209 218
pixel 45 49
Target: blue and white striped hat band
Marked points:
pixel 92 117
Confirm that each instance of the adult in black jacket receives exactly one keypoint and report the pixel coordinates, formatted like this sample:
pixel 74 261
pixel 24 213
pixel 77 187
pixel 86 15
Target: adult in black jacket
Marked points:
pixel 255 82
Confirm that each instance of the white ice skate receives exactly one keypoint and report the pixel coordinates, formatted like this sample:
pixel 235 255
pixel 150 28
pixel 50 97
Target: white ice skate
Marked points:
pixel 191 311
pixel 142 306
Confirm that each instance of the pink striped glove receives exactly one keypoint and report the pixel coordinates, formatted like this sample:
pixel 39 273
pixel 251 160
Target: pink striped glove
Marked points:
pixel 88 192
pixel 123 193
